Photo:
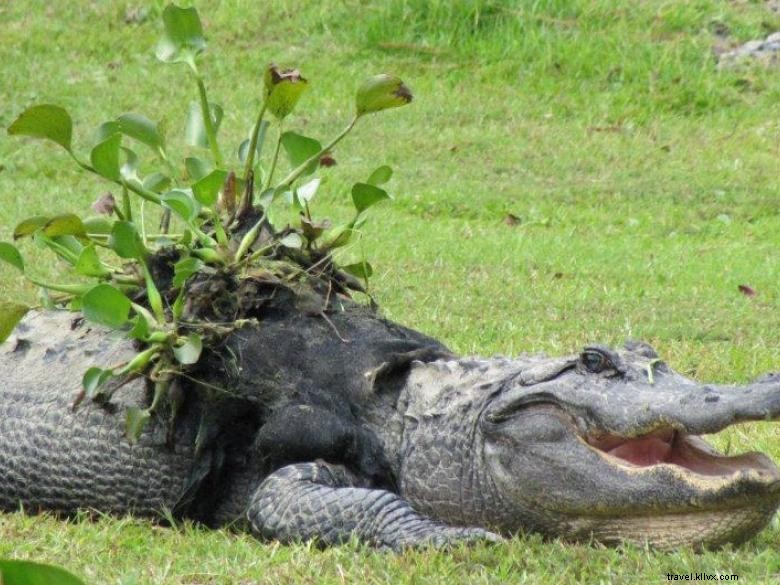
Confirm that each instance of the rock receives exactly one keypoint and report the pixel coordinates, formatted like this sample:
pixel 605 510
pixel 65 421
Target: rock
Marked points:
pixel 766 52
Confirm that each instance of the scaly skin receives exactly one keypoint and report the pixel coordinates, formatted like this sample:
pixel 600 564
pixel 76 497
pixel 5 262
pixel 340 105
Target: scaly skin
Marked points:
pixel 386 437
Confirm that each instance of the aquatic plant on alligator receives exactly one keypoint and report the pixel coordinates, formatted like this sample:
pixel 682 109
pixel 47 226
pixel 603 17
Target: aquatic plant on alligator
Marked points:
pixel 218 254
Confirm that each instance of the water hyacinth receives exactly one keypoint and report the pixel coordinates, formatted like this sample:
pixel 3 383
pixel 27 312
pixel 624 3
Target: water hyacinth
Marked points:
pixel 381 92
pixel 283 89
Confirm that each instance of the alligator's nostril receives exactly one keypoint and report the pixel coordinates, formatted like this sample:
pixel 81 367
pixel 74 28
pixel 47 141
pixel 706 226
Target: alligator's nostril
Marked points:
pixel 711 398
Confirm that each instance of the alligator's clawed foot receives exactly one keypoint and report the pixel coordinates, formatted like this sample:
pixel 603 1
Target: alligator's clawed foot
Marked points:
pixel 448 537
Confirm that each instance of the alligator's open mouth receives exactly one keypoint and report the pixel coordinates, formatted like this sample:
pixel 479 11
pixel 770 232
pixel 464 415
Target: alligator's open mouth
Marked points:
pixel 672 447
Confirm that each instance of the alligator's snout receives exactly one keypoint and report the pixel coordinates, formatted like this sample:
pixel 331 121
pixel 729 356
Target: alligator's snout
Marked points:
pixel 607 445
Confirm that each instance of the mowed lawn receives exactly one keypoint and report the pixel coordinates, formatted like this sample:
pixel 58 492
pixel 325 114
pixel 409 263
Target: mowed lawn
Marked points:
pixel 569 172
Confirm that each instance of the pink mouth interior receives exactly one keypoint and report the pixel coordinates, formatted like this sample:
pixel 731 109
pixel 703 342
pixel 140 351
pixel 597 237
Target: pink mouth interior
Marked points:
pixel 671 447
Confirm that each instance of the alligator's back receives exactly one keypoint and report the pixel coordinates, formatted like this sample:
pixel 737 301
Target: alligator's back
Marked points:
pixel 56 458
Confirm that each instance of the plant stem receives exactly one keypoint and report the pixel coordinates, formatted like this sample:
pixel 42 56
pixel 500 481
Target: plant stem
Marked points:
pixel 249 239
pixel 127 210
pixel 250 157
pixel 296 173
pixel 208 122
pixel 137 189
pixel 275 159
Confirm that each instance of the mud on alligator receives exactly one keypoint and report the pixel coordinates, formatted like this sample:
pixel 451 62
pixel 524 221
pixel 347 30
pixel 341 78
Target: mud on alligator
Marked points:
pixel 382 434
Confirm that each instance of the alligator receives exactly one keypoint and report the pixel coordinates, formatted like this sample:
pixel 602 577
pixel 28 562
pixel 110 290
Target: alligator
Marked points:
pixel 349 426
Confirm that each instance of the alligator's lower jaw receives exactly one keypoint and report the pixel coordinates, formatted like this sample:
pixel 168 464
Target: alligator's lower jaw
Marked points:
pixel 700 529
pixel 729 511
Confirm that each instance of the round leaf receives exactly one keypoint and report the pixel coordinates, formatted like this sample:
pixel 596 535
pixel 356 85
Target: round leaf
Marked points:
pixel 106 130
pixel 98 225
pixel 183 269
pixel 126 241
pixel 380 176
pixel 189 352
pixel 66 224
pixel 181 203
pixel 197 168
pixel 10 254
pixel 13 572
pixel 156 182
pixel 106 305
pixel 10 315
pixel 207 188
pixel 381 92
pixel 299 149
pixel 362 270
pixel 93 379
pixel 30 225
pixel 183 38
pixel 105 157
pixel 89 263
pixel 305 193
pixel 365 196
pixel 45 121
pixel 141 129
pixel 291 240
pixel 129 170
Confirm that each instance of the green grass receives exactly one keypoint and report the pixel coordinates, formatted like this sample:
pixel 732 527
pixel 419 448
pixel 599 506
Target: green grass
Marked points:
pixel 647 183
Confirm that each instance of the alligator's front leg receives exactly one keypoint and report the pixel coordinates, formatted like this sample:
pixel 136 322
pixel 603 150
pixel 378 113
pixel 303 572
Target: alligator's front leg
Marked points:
pixel 327 503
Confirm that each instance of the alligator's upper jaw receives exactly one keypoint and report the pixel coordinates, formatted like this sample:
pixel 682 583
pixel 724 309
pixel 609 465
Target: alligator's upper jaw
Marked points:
pixel 653 425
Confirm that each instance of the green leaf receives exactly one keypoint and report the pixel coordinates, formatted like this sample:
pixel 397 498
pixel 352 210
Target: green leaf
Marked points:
pixel 305 193
pixel 243 149
pixel 342 237
pixel 183 38
pixel 10 254
pixel 10 315
pixel 380 176
pixel 126 241
pixel 93 379
pixel 207 188
pixel 69 243
pixel 141 129
pixel 365 196
pixel 98 225
pixel 45 121
pixel 135 422
pixel 189 352
pixel 362 270
pixel 291 240
pixel 89 263
pixel 13 572
pixel 106 305
pixel 381 92
pixel 129 170
pixel 197 168
pixel 66 224
pixel 181 203
pixel 183 269
pixel 283 89
pixel 105 157
pixel 106 130
pixel 140 329
pixel 156 182
pixel 195 129
pixel 299 149
pixel 30 225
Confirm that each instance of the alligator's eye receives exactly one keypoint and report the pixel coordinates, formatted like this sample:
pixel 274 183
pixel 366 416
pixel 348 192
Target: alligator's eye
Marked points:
pixel 594 361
